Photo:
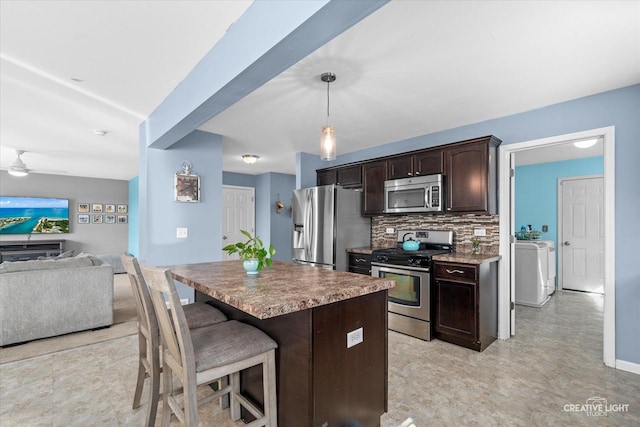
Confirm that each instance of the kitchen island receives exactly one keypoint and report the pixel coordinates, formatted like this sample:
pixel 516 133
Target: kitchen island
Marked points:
pixel 309 312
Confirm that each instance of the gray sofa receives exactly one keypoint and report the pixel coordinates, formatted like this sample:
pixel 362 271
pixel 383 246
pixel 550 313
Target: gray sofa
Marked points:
pixel 44 298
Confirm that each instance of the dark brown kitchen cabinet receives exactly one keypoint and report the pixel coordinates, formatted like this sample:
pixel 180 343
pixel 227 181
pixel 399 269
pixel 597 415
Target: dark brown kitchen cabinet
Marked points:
pixel 348 176
pixel 374 174
pixel 326 177
pixel 465 303
pixel 470 170
pixel 427 162
pixel 360 263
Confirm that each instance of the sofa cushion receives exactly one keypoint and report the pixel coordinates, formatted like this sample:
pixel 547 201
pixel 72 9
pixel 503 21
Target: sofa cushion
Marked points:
pixel 10 267
pixel 94 259
pixel 67 254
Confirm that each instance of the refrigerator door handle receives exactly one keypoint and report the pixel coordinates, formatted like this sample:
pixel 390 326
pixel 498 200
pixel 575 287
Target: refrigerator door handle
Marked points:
pixel 309 223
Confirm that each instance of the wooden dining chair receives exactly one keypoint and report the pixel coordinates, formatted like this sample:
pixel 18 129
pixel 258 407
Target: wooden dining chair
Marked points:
pixel 203 355
pixel 149 365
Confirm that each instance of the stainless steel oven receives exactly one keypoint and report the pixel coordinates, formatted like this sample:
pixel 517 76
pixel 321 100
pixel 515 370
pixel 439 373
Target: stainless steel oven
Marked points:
pixel 409 300
pixel 409 306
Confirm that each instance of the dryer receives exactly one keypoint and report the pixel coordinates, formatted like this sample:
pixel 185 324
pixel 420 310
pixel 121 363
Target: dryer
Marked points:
pixel 533 273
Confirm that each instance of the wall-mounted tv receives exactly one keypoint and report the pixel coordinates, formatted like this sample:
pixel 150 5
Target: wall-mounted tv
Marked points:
pixel 33 215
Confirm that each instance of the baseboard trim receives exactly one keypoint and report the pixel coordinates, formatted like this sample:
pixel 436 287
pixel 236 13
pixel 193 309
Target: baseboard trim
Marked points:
pixel 623 365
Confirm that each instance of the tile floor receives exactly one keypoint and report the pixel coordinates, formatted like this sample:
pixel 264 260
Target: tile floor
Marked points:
pixel 554 360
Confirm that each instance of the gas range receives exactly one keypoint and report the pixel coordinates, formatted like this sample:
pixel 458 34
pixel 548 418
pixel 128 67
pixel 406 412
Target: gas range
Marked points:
pixel 432 242
pixel 410 300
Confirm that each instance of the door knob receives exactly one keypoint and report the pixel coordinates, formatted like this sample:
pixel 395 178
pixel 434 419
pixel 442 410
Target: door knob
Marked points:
pixel 224 237
pixel 567 243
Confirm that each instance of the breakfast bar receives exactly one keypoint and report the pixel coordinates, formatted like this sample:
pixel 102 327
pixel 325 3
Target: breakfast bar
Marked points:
pixel 331 330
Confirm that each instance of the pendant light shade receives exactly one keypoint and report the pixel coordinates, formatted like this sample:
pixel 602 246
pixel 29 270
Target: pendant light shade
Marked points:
pixel 328 144
pixel 328 135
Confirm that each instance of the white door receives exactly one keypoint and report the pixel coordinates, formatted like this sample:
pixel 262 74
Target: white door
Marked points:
pixel 238 213
pixel 581 234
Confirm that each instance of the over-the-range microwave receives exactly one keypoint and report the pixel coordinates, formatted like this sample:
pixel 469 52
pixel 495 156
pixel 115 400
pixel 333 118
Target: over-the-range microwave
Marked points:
pixel 417 194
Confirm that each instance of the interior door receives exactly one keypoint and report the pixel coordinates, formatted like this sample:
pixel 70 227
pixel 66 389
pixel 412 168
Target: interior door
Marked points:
pixel 238 213
pixel 581 243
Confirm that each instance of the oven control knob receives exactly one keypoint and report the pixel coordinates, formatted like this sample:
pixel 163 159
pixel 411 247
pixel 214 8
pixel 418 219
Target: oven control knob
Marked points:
pixel 383 258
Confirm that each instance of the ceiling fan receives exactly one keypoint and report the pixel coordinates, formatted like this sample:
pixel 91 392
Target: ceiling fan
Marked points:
pixel 19 168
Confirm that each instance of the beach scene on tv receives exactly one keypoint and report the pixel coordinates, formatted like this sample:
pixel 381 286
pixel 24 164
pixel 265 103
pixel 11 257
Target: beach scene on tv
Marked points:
pixel 33 215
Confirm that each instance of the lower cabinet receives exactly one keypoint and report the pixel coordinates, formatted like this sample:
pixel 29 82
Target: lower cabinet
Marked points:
pixel 360 263
pixel 465 303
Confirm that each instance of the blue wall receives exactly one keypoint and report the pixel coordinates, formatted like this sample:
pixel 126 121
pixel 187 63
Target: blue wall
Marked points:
pixel 619 108
pixel 273 228
pixel 160 215
pixel 239 179
pixel 134 217
pixel 536 191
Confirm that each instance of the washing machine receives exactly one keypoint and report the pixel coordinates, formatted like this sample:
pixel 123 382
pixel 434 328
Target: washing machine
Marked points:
pixel 535 273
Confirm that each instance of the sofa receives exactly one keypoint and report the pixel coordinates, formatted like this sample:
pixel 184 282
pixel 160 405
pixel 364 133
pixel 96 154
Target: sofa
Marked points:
pixel 49 297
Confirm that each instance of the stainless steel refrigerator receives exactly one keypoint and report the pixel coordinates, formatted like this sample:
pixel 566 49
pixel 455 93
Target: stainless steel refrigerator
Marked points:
pixel 327 221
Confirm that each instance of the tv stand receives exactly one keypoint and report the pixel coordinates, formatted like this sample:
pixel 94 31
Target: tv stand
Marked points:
pixel 21 250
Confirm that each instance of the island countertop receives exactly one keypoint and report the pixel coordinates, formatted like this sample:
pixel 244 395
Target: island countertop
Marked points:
pixel 282 289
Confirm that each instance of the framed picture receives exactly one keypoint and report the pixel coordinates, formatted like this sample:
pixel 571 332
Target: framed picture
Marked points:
pixel 83 207
pixel 109 219
pixel 122 208
pixel 83 218
pixel 110 208
pixel 187 188
pixel 96 219
pixel 122 219
pixel 96 207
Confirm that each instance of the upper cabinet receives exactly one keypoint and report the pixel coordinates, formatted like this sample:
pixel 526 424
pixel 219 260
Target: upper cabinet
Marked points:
pixel 326 177
pixel 470 176
pixel 348 176
pixel 426 162
pixel 469 169
pixel 374 174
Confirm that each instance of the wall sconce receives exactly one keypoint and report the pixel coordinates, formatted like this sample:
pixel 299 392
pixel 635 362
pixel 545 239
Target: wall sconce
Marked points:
pixel 279 205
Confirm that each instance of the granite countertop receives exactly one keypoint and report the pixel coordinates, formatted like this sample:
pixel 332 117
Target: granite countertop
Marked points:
pixel 466 258
pixel 365 250
pixel 284 288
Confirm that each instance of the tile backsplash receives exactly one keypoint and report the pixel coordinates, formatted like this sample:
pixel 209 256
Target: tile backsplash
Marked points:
pixel 462 226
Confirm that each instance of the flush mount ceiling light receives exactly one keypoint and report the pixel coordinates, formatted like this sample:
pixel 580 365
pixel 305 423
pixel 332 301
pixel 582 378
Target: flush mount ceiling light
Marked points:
pixel 586 143
pixel 99 132
pixel 328 137
pixel 18 168
pixel 250 158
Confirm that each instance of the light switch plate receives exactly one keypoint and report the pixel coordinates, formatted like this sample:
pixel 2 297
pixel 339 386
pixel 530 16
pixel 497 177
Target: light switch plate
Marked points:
pixel 182 233
pixel 354 337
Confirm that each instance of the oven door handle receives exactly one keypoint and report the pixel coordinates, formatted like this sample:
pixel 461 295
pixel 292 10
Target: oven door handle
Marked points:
pixel 402 270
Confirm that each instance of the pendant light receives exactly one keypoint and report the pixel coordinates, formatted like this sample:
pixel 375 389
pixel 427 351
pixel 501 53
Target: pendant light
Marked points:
pixel 328 137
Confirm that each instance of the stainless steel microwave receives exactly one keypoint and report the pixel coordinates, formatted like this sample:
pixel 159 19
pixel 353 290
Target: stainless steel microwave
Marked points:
pixel 417 194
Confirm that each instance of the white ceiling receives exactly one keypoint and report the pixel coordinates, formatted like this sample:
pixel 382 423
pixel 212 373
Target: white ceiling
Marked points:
pixel 410 68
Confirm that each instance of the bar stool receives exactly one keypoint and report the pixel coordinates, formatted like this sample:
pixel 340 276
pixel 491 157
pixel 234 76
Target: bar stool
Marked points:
pixel 197 315
pixel 201 356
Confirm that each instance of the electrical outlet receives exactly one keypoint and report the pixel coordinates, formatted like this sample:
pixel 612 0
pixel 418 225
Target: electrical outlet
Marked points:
pixel 182 233
pixel 479 231
pixel 390 230
pixel 354 337
pixel 545 228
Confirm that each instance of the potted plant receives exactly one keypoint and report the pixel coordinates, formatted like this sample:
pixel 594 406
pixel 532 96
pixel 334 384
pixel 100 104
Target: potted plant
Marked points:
pixel 253 254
